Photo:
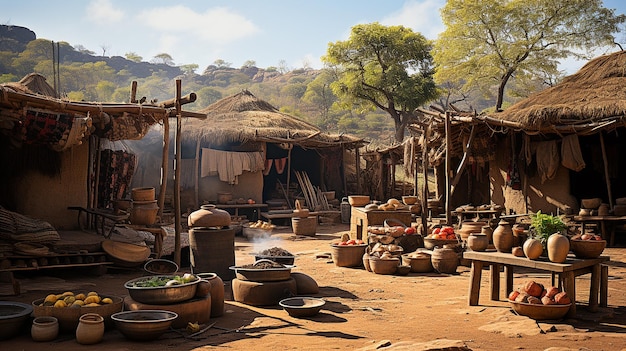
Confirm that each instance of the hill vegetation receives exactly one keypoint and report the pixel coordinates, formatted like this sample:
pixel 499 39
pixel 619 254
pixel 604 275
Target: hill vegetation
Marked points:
pixel 82 75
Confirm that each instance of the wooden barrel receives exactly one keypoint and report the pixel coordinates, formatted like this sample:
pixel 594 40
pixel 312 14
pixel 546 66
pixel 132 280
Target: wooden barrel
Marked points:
pixel 212 251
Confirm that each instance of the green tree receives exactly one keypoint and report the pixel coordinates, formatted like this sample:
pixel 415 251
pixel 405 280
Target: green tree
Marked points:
pixel 221 63
pixel 133 57
pixel 319 94
pixel 164 58
pixel 389 68
pixel 248 64
pixel 206 96
pixel 104 90
pixel 189 69
pixel 488 42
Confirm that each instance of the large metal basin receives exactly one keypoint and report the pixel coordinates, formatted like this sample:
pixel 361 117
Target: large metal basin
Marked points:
pixel 161 295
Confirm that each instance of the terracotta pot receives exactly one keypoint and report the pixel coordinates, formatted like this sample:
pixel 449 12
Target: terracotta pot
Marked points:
pixel 477 242
pixel 488 231
pixel 533 248
pixel 44 328
pixel 143 212
pixel 142 194
pixel 503 237
pixel 468 227
pixel 217 293
pixel 209 216
pixel 90 329
pixel 444 260
pixel 558 248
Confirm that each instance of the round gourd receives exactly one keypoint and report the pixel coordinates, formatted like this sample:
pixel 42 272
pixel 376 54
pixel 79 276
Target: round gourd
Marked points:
pixel 532 248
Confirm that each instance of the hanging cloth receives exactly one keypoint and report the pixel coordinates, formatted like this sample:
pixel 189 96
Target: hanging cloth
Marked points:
pixel 571 155
pixel 268 167
pixel 547 153
pixel 280 164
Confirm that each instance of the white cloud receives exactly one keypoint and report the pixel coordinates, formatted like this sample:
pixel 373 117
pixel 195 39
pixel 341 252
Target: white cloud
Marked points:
pixel 217 25
pixel 421 16
pixel 103 12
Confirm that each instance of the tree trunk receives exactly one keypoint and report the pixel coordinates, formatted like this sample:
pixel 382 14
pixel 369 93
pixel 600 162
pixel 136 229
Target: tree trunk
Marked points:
pixel 503 81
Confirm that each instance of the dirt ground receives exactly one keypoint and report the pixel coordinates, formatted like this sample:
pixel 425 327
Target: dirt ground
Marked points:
pixel 363 311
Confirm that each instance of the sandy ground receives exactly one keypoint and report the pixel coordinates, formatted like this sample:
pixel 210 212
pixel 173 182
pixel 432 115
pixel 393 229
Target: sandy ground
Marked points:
pixel 363 311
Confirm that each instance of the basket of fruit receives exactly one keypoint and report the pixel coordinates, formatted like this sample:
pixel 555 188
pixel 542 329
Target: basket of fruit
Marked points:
pixel 67 307
pixel 587 245
pixel 258 230
pixel 348 252
pixel 535 301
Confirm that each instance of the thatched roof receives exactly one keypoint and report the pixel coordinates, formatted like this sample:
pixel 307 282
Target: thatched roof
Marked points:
pixel 592 99
pixel 243 117
pixel 33 83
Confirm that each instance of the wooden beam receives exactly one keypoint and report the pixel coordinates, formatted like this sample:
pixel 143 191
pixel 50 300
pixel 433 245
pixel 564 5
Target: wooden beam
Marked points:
pixel 177 171
pixel 607 178
pixel 459 171
pixel 448 167
pixel 189 98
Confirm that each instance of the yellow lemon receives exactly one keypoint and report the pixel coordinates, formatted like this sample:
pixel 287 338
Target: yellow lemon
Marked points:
pixel 107 300
pixel 80 296
pixel 60 304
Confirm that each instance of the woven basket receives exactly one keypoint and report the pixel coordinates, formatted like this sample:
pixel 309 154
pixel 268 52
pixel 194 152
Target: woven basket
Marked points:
pixel 304 225
pixel 348 255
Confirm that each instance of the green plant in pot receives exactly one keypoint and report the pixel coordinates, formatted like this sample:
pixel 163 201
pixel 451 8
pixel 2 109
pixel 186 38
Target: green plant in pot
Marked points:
pixel 543 225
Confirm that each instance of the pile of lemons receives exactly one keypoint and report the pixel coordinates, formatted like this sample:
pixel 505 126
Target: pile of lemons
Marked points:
pixel 69 299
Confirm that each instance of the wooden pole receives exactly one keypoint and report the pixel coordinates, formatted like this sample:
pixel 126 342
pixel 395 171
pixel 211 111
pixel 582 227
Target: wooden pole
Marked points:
pixel 607 178
pixel 177 249
pixel 196 177
pixel 133 92
pixel 425 187
pixel 164 164
pixel 448 167
pixel 288 175
pixel 357 156
pixel 343 170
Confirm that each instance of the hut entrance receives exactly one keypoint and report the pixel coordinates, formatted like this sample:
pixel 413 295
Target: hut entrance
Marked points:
pixel 591 181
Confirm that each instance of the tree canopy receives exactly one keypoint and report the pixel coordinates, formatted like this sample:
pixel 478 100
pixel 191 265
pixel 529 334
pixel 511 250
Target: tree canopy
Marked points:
pixel 386 67
pixel 488 42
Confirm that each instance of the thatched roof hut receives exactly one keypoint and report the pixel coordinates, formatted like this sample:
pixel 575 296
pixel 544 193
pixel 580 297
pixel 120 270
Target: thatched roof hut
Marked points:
pixel 243 118
pixel 592 99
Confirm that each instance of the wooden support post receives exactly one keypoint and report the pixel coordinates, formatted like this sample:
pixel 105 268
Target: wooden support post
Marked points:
pixel 448 167
pixel 133 92
pixel 177 170
pixel 164 164
pixel 357 155
pixel 607 178
pixel 196 176
pixel 425 187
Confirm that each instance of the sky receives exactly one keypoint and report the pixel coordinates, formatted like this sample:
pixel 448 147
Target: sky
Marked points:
pixel 268 32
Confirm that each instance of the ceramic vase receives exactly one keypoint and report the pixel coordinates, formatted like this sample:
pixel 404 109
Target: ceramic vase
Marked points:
pixel 488 231
pixel 558 248
pixel 44 328
pixel 503 237
pixel 90 329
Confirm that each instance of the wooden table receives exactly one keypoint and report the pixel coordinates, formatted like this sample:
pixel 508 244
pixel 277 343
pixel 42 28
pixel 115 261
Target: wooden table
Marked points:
pixel 487 214
pixel 567 273
pixel 256 209
pixel 603 222
pixel 360 219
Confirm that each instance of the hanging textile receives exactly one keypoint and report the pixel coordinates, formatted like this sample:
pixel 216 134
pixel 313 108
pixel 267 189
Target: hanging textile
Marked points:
pixel 268 166
pixel 117 167
pixel 41 127
pixel 229 165
pixel 571 155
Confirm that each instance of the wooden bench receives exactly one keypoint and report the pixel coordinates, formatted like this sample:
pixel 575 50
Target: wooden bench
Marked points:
pixel 100 217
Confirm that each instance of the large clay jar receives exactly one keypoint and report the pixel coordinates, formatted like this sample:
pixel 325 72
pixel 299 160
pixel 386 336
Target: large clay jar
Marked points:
pixel 532 248
pixel 209 216
pixel 503 237
pixel 444 260
pixel 90 329
pixel 44 328
pixel 477 242
pixel 217 293
pixel 558 248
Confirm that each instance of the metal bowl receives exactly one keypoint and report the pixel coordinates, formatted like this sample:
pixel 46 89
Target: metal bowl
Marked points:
pixel 143 324
pixel 161 295
pixel 302 306
pixel 13 316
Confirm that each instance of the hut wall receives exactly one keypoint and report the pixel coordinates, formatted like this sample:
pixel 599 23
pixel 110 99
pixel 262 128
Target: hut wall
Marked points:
pixel 47 198
pixel 551 196
pixel 250 186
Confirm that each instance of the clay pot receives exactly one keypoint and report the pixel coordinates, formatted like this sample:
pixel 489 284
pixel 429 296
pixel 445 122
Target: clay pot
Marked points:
pixel 45 328
pixel 209 216
pixel 488 231
pixel 90 329
pixel 444 260
pixel 468 227
pixel 144 212
pixel 503 237
pixel 217 293
pixel 558 248
pixel 477 242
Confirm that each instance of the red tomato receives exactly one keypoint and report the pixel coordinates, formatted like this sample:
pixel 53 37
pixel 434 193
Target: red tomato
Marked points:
pixel 343 243
pixel 409 230
pixel 448 230
pixel 360 242
pixel 436 230
pixel 351 242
